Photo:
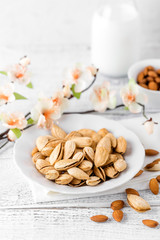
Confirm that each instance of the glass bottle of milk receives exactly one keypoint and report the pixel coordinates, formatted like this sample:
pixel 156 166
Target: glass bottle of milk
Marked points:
pixel 115 37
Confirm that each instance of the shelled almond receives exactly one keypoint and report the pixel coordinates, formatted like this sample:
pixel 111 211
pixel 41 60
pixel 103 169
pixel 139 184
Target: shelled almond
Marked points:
pixel 149 78
pixel 83 157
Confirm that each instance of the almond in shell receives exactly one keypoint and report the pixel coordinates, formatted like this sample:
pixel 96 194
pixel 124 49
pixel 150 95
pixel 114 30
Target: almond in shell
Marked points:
pixel 40 163
pixel 138 203
pixel 89 153
pixel 93 181
pixel 113 139
pixel 36 156
pixel 86 165
pixel 65 164
pixel 154 166
pixel 56 154
pixel 82 142
pixel 111 172
pixel 121 145
pixel 64 179
pixel 99 172
pixel 52 174
pixel 105 142
pixel 120 165
pixel 58 132
pixel 69 149
pixel 102 132
pixel 101 156
pixel 78 173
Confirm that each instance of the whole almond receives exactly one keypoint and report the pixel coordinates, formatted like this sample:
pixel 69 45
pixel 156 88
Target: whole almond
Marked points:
pixel 99 218
pixel 143 85
pixel 150 223
pixel 158 71
pixel 157 79
pixel 154 186
pixel 132 191
pixel 140 76
pixel 118 215
pixel 117 205
pixel 151 152
pixel 150 79
pixel 153 86
pixel 158 178
pixel 139 173
pixel 152 74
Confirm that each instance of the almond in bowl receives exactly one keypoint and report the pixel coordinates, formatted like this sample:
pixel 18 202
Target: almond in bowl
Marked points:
pixel 147 75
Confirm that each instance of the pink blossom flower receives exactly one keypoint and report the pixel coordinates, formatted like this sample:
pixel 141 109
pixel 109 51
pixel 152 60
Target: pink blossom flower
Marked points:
pixel 131 97
pixel 80 76
pixel 67 91
pixel 48 110
pixel 102 98
pixel 6 93
pixel 19 72
pixel 13 120
pixel 149 126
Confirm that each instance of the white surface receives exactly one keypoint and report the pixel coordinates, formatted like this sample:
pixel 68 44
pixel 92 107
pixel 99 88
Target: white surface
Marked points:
pixel 54 34
pixel 134 155
pixel 113 27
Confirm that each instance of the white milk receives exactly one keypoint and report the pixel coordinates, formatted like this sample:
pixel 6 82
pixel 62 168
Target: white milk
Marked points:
pixel 115 38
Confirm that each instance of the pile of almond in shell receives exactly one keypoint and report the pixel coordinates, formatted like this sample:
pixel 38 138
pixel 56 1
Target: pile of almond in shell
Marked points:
pixel 134 200
pixel 149 78
pixel 82 157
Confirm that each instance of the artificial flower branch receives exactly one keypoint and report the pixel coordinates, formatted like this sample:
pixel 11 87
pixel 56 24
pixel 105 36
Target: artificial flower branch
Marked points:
pixel 77 80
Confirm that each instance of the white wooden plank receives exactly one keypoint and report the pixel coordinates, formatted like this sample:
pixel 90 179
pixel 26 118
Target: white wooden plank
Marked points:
pixel 75 224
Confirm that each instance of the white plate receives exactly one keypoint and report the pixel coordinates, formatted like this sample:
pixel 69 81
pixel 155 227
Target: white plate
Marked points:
pixel 134 155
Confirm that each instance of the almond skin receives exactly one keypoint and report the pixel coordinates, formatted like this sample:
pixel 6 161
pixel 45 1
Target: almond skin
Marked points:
pixel 117 205
pixel 99 218
pixel 150 223
pixel 132 191
pixel 139 173
pixel 158 178
pixel 118 215
pixel 154 186
pixel 151 152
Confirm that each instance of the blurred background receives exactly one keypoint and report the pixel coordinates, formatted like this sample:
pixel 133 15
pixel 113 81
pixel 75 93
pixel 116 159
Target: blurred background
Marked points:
pixel 56 33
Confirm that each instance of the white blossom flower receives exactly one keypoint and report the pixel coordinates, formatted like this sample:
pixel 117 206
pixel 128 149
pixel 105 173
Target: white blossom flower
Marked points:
pixel 24 61
pixel 131 97
pixel 6 93
pixel 49 109
pixel 67 91
pixel 19 72
pixel 149 126
pixel 102 98
pixel 80 76
pixel 13 120
pixel 11 136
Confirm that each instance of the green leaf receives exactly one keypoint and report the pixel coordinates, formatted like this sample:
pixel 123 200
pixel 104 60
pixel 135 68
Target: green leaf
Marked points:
pixel 29 85
pixel 126 108
pixel 18 96
pixel 75 94
pixel 17 132
pixel 30 121
pixel 4 73
pixel 132 81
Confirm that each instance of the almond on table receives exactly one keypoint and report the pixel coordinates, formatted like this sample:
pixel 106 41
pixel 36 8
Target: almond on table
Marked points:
pixel 99 218
pixel 151 152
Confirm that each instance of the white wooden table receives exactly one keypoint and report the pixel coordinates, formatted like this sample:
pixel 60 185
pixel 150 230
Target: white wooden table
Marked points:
pixel 20 217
